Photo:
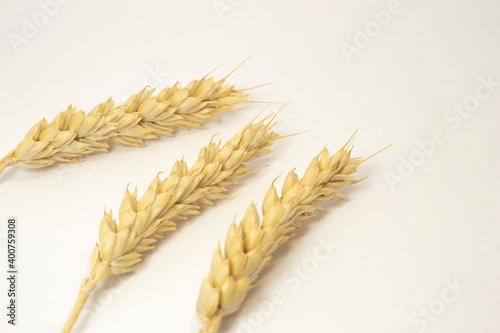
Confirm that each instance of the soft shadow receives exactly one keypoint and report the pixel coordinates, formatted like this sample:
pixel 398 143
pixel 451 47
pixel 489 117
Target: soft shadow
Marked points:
pixel 229 323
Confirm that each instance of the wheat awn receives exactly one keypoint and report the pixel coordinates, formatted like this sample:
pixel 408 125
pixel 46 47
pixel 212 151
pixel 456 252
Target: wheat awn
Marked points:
pixel 143 221
pixel 249 245
pixel 144 116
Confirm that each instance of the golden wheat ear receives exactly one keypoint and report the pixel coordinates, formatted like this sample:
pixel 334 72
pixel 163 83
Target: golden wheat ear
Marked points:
pixel 143 221
pixel 144 116
pixel 250 244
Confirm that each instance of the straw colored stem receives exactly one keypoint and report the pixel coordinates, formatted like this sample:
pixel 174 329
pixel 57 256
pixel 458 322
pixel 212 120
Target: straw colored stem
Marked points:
pixel 6 162
pixel 80 302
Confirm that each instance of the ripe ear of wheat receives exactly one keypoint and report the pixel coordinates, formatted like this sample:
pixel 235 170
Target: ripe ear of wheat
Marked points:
pixel 144 220
pixel 144 116
pixel 250 244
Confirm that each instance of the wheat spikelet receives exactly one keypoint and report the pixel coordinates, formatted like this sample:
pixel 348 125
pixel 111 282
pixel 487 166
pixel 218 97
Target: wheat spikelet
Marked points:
pixel 73 134
pixel 249 245
pixel 142 221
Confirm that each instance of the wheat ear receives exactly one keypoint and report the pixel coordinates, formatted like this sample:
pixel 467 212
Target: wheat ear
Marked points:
pixel 249 245
pixel 73 134
pixel 143 221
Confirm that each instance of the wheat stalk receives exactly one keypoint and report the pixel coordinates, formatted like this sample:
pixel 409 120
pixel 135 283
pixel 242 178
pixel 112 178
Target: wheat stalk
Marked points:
pixel 73 134
pixel 249 245
pixel 143 221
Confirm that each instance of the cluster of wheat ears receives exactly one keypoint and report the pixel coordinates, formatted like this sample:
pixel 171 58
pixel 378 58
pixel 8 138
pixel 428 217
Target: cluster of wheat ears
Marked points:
pixel 143 221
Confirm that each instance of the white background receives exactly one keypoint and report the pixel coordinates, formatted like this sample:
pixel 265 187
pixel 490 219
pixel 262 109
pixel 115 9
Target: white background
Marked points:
pixel 399 245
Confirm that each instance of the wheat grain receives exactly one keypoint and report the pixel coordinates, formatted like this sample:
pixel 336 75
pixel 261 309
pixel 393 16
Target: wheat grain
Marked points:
pixel 143 221
pixel 73 134
pixel 249 245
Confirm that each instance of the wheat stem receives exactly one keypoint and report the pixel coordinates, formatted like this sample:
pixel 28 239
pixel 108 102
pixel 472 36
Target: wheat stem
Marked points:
pixel 73 134
pixel 143 221
pixel 249 245
pixel 80 303
pixel 6 162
